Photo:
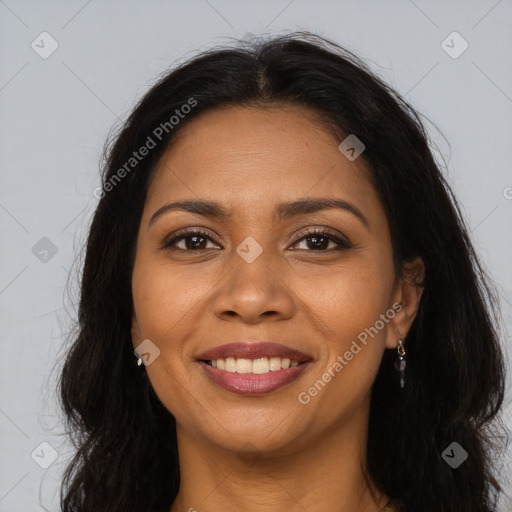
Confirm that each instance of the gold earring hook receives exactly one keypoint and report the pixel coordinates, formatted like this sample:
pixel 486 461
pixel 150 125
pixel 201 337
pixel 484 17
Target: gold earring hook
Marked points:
pixel 395 327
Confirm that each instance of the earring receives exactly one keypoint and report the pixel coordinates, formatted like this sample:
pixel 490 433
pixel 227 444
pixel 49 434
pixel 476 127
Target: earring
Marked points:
pixel 139 361
pixel 400 363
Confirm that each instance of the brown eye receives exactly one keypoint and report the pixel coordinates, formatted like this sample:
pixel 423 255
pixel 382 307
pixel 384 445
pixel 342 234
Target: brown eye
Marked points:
pixel 193 241
pixel 318 240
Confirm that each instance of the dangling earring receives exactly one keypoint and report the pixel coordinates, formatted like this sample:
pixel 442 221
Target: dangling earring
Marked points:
pixel 139 361
pixel 400 363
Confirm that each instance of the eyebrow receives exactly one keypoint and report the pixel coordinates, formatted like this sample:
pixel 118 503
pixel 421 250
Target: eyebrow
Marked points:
pixel 283 211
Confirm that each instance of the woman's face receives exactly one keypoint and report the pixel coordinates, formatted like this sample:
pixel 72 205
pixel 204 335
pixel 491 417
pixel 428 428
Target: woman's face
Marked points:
pixel 259 274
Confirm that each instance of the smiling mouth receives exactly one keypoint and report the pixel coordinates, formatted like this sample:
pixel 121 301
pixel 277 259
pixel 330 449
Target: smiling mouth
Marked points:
pixel 258 366
pixel 253 368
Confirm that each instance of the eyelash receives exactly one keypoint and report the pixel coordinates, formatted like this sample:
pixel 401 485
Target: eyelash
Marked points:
pixel 315 232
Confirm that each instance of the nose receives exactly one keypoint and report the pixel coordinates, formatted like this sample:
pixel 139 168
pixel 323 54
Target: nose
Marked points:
pixel 252 292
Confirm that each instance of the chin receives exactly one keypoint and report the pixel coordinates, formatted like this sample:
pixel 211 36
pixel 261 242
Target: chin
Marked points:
pixel 270 434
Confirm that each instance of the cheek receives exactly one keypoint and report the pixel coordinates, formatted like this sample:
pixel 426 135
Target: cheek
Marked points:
pixel 351 298
pixel 162 302
pixel 165 298
pixel 348 305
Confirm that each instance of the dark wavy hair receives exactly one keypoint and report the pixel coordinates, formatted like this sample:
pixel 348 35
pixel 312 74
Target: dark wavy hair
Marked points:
pixel 126 456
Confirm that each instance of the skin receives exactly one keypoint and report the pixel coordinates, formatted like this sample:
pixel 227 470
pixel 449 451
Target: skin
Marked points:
pixel 267 452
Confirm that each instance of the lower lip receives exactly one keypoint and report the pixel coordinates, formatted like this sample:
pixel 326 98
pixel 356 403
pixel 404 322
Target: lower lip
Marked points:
pixel 252 384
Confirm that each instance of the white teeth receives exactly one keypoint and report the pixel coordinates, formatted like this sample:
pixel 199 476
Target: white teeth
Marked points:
pixel 260 365
pixel 243 366
pixel 230 365
pixel 257 366
pixel 274 363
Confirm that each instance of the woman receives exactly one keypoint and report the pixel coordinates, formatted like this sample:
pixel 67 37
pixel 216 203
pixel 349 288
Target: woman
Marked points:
pixel 281 308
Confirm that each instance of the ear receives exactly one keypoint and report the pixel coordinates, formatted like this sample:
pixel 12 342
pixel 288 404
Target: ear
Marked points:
pixel 407 292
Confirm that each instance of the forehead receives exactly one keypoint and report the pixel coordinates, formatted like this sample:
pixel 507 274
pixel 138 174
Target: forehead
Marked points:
pixel 258 156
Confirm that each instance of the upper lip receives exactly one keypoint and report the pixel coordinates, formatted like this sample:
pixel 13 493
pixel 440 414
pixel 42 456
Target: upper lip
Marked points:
pixel 253 350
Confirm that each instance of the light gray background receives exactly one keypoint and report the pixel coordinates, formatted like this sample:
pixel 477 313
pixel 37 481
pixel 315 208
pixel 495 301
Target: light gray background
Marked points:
pixel 56 113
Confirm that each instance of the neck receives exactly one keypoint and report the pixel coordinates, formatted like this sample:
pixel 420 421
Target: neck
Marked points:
pixel 318 475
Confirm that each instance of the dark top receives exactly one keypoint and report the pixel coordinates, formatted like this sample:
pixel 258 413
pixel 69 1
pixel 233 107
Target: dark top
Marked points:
pixel 394 505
